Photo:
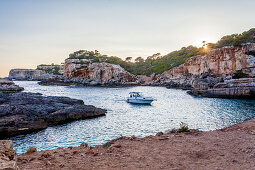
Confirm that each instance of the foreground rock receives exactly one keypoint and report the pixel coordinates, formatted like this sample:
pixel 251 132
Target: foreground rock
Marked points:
pixel 8 156
pixel 231 148
pixel 27 112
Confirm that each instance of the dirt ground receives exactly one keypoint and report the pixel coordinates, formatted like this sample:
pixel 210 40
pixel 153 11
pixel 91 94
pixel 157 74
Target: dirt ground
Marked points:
pixel 231 148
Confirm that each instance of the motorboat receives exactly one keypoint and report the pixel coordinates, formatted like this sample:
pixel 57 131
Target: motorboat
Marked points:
pixel 138 98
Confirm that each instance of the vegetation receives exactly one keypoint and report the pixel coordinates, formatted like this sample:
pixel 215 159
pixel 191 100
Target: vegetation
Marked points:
pixel 109 143
pixel 239 74
pixel 157 64
pixel 237 39
pixel 183 128
pixel 50 69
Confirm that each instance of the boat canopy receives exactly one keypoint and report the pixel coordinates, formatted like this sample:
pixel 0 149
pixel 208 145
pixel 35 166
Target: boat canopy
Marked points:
pixel 134 92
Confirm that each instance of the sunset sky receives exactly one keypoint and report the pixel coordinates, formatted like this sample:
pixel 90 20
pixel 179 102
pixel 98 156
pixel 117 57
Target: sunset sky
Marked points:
pixel 34 32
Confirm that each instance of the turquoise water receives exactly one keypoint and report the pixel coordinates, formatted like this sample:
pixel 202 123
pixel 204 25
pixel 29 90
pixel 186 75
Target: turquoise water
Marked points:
pixel 172 107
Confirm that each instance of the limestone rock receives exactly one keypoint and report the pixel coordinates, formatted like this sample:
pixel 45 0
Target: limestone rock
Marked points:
pixel 8 156
pixel 235 88
pixel 98 73
pixel 210 75
pixel 31 150
pixel 219 62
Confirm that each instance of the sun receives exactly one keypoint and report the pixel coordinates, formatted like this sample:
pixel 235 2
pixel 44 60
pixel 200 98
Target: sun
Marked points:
pixel 201 42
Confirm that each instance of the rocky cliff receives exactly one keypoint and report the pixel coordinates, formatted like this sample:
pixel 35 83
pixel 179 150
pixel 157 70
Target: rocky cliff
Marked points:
pixel 204 72
pixel 98 73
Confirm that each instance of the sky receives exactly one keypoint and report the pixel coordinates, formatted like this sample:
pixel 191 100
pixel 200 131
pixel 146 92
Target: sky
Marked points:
pixel 34 32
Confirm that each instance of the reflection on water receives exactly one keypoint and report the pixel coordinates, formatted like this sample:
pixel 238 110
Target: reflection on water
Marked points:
pixel 171 108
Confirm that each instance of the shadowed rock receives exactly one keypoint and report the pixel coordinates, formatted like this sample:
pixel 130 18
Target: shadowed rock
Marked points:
pixel 27 112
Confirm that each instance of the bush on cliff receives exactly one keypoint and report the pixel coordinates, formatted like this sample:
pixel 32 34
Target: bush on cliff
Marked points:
pixel 239 74
pixel 237 39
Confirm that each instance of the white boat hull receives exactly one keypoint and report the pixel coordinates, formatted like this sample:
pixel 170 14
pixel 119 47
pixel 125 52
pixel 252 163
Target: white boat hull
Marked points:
pixel 140 100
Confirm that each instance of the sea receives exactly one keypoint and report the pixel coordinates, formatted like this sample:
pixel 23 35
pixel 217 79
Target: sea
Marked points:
pixel 172 106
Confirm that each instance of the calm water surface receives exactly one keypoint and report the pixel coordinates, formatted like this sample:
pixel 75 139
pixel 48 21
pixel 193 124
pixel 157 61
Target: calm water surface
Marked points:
pixel 171 108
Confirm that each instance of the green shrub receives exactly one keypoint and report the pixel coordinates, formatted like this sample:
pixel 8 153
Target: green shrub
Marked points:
pixel 183 128
pixel 239 74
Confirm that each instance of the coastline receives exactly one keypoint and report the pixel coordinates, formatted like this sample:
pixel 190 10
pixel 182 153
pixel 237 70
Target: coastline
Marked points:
pixel 228 148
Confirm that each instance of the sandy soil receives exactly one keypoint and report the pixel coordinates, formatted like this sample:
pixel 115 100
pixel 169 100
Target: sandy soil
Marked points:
pixel 231 148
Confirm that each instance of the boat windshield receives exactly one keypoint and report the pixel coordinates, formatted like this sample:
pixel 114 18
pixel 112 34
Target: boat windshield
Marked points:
pixel 136 95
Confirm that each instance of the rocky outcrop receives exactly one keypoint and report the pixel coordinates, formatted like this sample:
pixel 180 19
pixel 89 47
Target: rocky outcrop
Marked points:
pixel 79 72
pixel 202 74
pixel 98 73
pixel 8 156
pixel 8 86
pixel 234 88
pixel 27 112
pixel 27 74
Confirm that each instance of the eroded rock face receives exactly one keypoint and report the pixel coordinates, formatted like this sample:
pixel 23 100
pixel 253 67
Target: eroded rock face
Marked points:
pixel 98 73
pixel 218 63
pixel 8 156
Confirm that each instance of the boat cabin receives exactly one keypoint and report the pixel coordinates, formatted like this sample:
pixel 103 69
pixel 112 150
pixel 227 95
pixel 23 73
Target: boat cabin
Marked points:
pixel 135 94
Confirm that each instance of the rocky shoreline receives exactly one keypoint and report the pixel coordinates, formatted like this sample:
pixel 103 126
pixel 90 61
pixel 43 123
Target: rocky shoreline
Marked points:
pixel 75 83
pixel 229 148
pixel 22 112
pixel 243 88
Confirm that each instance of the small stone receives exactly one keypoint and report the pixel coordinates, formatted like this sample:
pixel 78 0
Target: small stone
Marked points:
pixel 75 152
pixel 31 150
pixel 95 154
pixel 46 155
pixel 84 145
pixel 116 146
pixel 159 134
pixel 133 137
pixel 89 153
